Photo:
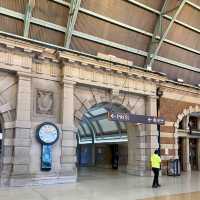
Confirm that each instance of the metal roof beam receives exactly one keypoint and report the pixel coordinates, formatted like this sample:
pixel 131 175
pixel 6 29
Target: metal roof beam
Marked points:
pixel 158 46
pixel 132 50
pixel 52 26
pixel 165 16
pixel 193 5
pixel 27 17
pixel 11 13
pixel 61 2
pixel 158 31
pixel 126 26
pixel 73 13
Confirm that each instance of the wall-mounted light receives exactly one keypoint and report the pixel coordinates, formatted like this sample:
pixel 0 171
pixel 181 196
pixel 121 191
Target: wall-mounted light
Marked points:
pixel 180 80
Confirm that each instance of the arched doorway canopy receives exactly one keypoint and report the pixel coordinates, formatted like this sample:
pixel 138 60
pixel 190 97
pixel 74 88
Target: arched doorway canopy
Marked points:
pixel 95 127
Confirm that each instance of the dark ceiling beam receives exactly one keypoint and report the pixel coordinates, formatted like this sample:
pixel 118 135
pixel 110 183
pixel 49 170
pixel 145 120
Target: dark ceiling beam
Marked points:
pixel 27 17
pixel 154 52
pixel 73 13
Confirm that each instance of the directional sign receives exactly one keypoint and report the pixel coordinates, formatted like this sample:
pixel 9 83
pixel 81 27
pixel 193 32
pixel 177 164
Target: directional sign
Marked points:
pixel 143 119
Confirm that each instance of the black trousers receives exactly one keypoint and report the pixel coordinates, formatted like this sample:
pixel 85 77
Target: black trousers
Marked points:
pixel 156 175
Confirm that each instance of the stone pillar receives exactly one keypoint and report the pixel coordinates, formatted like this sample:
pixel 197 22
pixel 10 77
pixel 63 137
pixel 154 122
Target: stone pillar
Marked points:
pixel 69 143
pixel 151 135
pixel 185 122
pixel 186 155
pixel 22 139
pixel 132 143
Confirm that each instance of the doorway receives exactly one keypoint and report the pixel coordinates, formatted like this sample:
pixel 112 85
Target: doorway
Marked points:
pixel 181 153
pixel 102 143
pixel 193 153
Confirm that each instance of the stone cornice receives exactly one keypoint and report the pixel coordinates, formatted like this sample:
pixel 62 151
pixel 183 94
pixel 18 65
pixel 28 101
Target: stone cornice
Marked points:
pixel 15 61
pixel 108 66
pixel 42 53
pixel 14 43
pixel 176 87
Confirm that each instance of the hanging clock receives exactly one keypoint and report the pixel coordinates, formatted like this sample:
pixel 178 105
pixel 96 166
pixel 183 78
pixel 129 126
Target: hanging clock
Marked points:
pixel 47 133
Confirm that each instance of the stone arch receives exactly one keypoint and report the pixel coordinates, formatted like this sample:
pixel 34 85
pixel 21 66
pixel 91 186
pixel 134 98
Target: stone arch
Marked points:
pixel 180 116
pixel 94 100
pixel 86 97
pixel 186 112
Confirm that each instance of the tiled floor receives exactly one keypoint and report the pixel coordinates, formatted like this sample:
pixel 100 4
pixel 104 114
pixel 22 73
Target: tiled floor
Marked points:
pixel 184 196
pixel 109 185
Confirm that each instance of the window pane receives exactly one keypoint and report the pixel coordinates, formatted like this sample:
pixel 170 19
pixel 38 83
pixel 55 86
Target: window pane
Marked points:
pixel 108 126
pixel 88 132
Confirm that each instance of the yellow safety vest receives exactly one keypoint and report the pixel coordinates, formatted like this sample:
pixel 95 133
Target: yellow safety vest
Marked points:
pixel 155 161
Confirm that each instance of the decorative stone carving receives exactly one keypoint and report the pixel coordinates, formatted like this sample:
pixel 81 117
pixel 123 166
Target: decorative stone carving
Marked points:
pixel 44 102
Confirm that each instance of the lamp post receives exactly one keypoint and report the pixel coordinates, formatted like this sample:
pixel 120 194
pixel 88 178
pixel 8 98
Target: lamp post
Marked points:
pixel 159 94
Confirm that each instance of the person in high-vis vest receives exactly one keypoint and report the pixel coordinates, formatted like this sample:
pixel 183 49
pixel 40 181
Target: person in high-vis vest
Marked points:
pixel 155 164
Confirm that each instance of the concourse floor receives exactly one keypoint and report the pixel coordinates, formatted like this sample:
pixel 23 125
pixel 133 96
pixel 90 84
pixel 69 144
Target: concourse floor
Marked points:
pixel 111 185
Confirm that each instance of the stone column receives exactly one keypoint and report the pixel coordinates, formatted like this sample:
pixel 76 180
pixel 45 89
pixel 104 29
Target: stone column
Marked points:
pixel 151 132
pixel 69 143
pixel 186 155
pixel 134 160
pixel 185 122
pixel 22 140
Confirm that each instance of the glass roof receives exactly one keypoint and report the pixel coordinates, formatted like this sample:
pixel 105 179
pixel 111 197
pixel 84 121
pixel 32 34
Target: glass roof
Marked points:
pixel 95 127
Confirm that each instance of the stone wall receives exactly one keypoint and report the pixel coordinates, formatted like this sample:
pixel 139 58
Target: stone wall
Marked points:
pixel 40 84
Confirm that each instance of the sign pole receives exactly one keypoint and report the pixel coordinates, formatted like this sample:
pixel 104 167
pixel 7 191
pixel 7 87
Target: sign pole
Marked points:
pixel 159 94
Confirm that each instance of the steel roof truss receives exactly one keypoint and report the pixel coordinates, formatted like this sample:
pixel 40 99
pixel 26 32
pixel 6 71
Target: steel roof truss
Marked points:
pixel 27 17
pixel 73 13
pixel 154 49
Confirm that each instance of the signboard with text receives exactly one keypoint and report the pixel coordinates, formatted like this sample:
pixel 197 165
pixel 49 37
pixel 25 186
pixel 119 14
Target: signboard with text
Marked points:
pixel 143 119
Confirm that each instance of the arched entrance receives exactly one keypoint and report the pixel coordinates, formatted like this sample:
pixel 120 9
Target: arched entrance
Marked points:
pixel 102 143
pixel 105 144
pixel 141 140
pixel 188 139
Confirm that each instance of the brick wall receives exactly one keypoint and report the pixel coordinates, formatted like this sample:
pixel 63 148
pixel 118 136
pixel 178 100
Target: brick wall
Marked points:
pixel 169 109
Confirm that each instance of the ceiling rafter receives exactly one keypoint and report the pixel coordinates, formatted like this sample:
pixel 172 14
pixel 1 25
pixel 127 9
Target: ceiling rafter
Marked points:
pixel 73 13
pixel 27 17
pixel 165 16
pixel 155 46
pixel 157 34
pixel 193 5
pixel 133 50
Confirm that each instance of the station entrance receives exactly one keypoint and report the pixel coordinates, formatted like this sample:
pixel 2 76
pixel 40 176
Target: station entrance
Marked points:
pixel 102 143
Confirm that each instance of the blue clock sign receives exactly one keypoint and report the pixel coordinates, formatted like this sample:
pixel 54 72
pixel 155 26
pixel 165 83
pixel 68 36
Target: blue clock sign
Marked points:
pixel 47 134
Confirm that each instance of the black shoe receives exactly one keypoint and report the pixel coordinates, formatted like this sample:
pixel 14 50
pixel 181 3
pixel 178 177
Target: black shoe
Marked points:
pixel 159 185
pixel 154 186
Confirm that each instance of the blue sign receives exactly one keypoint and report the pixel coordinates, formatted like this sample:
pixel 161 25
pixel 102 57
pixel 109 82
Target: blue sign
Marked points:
pixel 143 119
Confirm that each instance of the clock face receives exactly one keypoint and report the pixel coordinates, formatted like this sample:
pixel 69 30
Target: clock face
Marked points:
pixel 47 133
